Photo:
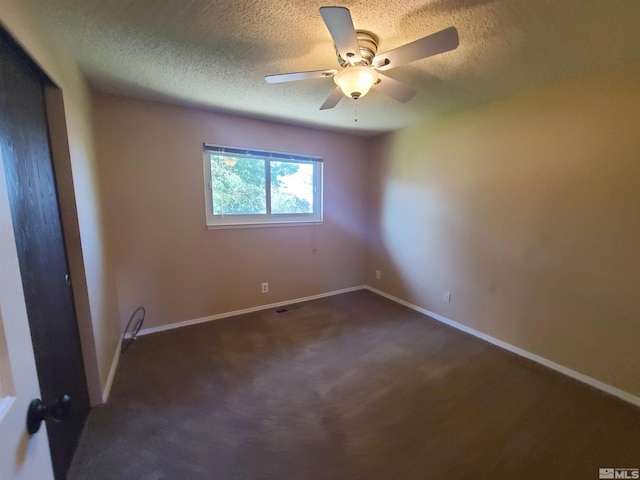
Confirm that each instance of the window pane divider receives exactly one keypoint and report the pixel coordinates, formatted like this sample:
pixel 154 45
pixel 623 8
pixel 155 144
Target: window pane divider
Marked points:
pixel 267 184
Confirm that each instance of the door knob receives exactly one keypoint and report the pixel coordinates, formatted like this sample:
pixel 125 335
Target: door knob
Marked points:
pixel 39 412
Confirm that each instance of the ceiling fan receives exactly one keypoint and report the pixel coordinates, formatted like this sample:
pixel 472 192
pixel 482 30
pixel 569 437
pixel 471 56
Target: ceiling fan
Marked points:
pixel 360 63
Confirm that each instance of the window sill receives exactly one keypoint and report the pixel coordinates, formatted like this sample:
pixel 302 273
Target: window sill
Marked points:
pixel 296 223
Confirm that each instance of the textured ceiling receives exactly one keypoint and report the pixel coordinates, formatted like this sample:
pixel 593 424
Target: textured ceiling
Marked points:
pixel 216 53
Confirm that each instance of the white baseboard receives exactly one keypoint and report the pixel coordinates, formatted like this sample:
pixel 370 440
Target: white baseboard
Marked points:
pixel 112 374
pixel 611 390
pixel 616 392
pixel 210 318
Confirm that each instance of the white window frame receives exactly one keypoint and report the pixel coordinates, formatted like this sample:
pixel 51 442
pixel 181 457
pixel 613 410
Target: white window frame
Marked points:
pixel 266 219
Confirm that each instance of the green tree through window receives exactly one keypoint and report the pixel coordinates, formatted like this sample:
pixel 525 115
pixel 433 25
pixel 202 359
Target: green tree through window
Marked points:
pixel 283 199
pixel 238 188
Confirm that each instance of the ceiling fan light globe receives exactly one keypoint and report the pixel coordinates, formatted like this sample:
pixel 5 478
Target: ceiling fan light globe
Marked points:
pixel 356 81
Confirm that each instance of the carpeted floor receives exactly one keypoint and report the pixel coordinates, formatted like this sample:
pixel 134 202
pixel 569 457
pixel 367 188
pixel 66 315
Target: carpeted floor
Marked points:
pixel 348 387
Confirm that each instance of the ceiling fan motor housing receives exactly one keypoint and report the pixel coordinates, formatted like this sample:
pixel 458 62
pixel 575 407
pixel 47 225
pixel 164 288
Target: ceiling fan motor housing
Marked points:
pixel 368 44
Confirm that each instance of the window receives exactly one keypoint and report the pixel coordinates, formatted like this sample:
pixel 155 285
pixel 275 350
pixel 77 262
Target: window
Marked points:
pixel 250 187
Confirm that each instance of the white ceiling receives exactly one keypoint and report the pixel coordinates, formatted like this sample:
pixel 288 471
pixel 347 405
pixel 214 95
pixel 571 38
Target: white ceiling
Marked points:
pixel 216 53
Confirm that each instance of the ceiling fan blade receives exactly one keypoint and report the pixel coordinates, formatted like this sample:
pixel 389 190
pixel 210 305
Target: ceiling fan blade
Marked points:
pixel 332 100
pixel 293 77
pixel 439 42
pixel 395 89
pixel 340 25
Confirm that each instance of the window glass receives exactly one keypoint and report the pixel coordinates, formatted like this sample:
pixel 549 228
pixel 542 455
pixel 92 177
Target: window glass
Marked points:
pixel 291 187
pixel 238 185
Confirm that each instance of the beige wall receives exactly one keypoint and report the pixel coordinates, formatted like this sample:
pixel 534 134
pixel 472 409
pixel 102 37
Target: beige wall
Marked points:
pixel 528 211
pixel 150 157
pixel 93 281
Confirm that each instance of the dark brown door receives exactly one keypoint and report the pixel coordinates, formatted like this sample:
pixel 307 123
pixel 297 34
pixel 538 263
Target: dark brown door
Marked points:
pixel 41 250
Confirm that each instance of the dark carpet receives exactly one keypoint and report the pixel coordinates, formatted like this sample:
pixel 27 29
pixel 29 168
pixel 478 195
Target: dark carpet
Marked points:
pixel 347 387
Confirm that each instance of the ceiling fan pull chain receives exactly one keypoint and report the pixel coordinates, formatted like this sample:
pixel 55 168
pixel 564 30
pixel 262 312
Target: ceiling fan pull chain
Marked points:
pixel 355 110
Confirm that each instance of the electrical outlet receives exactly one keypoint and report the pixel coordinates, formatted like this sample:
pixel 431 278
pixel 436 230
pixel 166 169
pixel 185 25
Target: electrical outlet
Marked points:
pixel 447 297
pixel 378 275
pixel 265 287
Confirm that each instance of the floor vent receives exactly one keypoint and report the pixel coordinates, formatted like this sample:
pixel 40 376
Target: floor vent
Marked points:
pixel 286 308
